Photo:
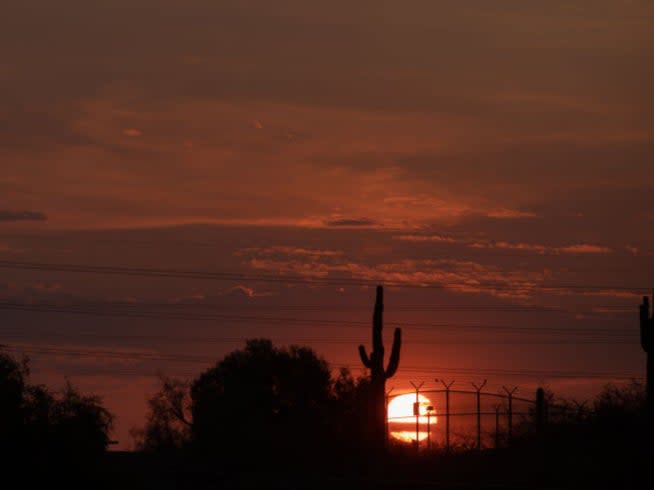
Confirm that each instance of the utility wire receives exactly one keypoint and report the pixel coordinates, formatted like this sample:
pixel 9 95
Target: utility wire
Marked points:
pixel 195 359
pixel 288 321
pixel 282 278
pixel 21 334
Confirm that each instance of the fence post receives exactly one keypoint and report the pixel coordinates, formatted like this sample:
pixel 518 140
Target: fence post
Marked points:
pixel 416 412
pixel 510 412
pixel 447 412
pixel 647 343
pixel 386 424
pixel 497 426
pixel 541 410
pixel 429 410
pixel 478 389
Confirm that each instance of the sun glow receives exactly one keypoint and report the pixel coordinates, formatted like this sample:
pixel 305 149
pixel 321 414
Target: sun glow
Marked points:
pixel 401 414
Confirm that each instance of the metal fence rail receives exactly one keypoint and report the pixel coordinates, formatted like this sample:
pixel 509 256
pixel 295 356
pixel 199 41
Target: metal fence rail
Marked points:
pixel 492 416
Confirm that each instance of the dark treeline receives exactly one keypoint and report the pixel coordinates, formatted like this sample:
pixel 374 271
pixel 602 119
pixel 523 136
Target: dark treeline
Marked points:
pixel 277 417
pixel 45 433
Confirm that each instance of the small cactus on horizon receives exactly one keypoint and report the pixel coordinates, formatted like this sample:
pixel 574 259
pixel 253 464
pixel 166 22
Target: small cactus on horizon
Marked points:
pixel 379 375
pixel 646 341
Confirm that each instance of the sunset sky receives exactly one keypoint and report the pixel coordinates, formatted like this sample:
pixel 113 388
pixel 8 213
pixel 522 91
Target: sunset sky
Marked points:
pixel 491 162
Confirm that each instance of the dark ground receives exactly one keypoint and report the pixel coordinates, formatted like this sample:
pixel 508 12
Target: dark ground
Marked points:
pixel 505 469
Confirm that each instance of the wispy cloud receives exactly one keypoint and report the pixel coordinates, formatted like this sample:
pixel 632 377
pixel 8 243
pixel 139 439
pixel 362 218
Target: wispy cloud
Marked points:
pixel 132 132
pixel 251 292
pixel 504 213
pixel 457 275
pixel 7 215
pixel 541 249
pixel 537 248
pixel 351 222
pixel 6 248
pixel 289 250
pixel 426 238
pixel 583 248
pixel 631 249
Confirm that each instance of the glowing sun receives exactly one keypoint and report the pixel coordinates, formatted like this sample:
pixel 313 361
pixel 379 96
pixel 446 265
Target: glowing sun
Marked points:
pixel 401 415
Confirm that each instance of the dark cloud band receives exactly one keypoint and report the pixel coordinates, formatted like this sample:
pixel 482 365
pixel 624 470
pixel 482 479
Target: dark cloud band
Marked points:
pixel 22 216
pixel 352 222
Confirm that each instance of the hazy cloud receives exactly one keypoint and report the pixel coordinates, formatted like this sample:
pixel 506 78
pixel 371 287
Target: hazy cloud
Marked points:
pixel 351 222
pixel 426 238
pixel 132 132
pixel 537 248
pixel 6 215
pixel 509 214
pixel 289 250
pixel 583 248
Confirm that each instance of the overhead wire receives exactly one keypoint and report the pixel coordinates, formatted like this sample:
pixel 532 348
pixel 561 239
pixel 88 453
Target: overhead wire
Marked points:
pixel 288 321
pixel 195 359
pixel 298 279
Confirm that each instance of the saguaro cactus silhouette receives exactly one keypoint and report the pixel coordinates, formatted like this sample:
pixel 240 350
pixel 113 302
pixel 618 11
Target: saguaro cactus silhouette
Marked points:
pixel 379 375
pixel 647 341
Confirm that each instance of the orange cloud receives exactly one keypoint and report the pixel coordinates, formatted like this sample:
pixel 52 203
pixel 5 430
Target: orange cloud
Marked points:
pixel 250 292
pixel 504 213
pixel 289 250
pixel 132 132
pixel 583 248
pixel 540 249
pixel 456 275
pixel 425 238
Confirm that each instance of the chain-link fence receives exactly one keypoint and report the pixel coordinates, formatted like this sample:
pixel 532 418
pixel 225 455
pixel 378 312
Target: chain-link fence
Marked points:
pixel 453 419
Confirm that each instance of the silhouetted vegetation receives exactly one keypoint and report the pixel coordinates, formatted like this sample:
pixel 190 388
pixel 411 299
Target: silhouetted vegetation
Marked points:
pixel 259 398
pixel 38 423
pixel 168 420
pixel 604 444
pixel 276 416
pixel 260 401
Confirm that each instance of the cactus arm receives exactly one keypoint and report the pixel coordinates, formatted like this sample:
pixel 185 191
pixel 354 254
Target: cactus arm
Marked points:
pixel 364 357
pixel 644 325
pixel 377 324
pixel 394 360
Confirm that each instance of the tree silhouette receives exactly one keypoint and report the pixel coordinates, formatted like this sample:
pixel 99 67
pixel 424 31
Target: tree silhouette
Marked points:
pixel 78 423
pixel 275 399
pixel 13 376
pixel 350 417
pixel 260 398
pixel 168 421
pixel 35 421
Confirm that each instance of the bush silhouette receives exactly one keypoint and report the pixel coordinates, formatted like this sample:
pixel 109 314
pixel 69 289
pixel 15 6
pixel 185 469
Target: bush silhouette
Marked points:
pixel 260 398
pixel 168 421
pixel 37 422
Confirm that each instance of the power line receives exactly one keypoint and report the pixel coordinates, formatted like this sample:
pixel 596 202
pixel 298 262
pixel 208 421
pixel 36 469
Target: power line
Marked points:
pixel 284 278
pixel 195 359
pixel 469 308
pixel 467 251
pixel 288 321
pixel 473 307
pixel 157 337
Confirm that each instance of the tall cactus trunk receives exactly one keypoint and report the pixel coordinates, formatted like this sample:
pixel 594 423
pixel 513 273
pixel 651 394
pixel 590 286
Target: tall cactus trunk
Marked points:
pixel 379 375
pixel 646 341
